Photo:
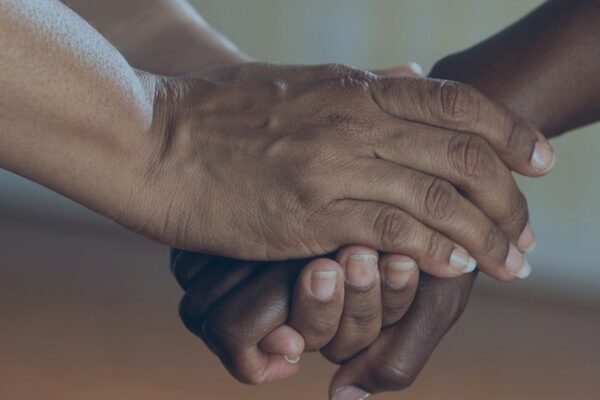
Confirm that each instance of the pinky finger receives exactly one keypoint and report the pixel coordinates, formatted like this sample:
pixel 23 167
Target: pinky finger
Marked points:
pixel 387 228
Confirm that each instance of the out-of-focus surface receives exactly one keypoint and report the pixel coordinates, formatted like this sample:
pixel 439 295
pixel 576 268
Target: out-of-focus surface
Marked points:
pixel 92 316
pixel 88 311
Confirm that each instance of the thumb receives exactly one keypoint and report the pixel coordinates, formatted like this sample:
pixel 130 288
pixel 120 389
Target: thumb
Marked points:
pixel 284 341
pixel 410 69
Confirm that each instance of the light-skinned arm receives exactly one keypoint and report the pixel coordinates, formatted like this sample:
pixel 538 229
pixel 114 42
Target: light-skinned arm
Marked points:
pixel 167 37
pixel 218 162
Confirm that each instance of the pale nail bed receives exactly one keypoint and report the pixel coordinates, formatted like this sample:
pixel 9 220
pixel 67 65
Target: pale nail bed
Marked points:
pixel 462 261
pixel 322 284
pixel 543 158
pixel 361 269
pixel 526 241
pixel 350 393
pixel 292 360
pixel 398 273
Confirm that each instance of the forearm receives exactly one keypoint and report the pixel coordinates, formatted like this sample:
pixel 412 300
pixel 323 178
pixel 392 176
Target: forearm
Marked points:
pixel 72 109
pixel 161 36
pixel 545 68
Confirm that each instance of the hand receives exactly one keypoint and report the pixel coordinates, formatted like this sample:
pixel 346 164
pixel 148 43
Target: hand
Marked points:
pixel 362 314
pixel 239 309
pixel 247 330
pixel 396 358
pixel 287 162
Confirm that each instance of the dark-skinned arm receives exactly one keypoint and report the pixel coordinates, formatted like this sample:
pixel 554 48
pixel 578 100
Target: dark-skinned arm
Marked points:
pixel 554 49
pixel 546 69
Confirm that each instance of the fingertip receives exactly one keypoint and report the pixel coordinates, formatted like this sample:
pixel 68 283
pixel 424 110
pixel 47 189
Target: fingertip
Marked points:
pixel 320 279
pixel 543 158
pixel 397 271
pixel 415 68
pixel 279 368
pixel 408 69
pixel 350 393
pixel 347 251
pixel 321 264
pixel 347 381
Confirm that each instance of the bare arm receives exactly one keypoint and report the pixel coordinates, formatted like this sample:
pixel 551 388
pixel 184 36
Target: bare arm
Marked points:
pixel 167 37
pixel 171 157
pixel 545 67
pixel 69 102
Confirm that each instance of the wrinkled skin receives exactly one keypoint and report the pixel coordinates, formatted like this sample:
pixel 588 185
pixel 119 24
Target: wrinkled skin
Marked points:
pixel 568 32
pixel 241 318
pixel 285 320
pixel 280 162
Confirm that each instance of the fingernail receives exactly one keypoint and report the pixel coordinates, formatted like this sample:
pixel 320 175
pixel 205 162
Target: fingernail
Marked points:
pixel 526 241
pixel 525 271
pixel 398 273
pixel 292 360
pixel 322 284
pixel 416 68
pixel 360 270
pixel 516 263
pixel 543 158
pixel 350 393
pixel 462 261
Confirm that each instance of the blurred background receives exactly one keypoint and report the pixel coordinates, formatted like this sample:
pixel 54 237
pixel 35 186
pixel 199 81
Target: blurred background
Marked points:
pixel 88 310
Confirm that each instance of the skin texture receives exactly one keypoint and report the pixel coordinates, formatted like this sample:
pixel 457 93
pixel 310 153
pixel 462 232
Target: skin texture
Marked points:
pixel 302 161
pixel 424 315
pixel 506 69
pixel 139 119
pixel 166 37
pixel 258 161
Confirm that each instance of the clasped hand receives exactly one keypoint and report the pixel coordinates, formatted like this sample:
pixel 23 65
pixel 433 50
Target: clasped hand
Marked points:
pixel 418 168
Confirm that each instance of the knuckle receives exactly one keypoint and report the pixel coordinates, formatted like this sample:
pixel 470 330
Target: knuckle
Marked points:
pixel 311 177
pixel 390 375
pixel 512 136
pixel 440 199
pixel 337 69
pixel 317 332
pixel 459 103
pixel 392 312
pixel 191 319
pixel 516 142
pixel 217 334
pixel 390 227
pixel 365 316
pixel 434 245
pixel 517 213
pixel 472 157
pixel 221 334
pixel 491 241
pixel 351 77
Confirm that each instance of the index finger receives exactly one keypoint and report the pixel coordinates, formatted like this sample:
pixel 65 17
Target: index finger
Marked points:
pixel 459 106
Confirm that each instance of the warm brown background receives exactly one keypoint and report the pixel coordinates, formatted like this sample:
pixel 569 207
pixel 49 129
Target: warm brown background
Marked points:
pixel 88 311
pixel 91 315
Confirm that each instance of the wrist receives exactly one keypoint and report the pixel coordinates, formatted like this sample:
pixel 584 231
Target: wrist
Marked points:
pixel 473 66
